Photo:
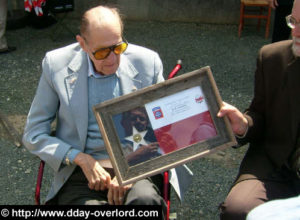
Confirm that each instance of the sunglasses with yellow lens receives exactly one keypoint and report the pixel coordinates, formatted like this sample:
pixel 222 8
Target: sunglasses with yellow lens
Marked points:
pixel 102 53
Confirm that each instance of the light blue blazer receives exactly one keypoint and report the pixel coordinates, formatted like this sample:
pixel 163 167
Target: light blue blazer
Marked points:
pixel 62 94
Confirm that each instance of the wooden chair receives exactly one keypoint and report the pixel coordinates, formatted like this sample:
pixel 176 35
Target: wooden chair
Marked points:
pixel 166 184
pixel 264 13
pixel 57 8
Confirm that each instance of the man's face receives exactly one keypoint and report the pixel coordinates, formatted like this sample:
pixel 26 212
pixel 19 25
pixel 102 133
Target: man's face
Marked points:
pixel 296 30
pixel 103 36
pixel 139 119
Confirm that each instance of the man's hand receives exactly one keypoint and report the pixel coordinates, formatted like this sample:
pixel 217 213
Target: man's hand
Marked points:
pixel 238 121
pixel 144 152
pixel 116 193
pixel 96 175
pixel 147 149
pixel 273 3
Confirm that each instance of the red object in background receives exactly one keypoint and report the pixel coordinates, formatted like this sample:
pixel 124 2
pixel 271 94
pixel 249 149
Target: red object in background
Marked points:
pixel 39 183
pixel 36 5
pixel 175 70
pixel 166 192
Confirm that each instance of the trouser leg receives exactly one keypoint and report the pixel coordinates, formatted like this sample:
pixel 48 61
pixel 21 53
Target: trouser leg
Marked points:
pixel 248 194
pixel 76 192
pixel 146 192
pixel 3 15
pixel 280 29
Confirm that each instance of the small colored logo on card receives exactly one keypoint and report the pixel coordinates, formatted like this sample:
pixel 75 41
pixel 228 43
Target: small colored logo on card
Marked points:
pixel 157 112
pixel 199 98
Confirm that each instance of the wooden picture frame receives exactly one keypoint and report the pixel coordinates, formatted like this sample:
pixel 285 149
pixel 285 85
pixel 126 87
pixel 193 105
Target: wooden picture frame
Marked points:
pixel 164 125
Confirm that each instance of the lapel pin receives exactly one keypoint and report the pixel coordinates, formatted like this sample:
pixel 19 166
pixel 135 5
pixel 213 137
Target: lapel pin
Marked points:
pixel 134 88
pixel 72 79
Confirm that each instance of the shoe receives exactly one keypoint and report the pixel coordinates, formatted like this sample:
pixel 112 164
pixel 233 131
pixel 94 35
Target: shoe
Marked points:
pixel 7 50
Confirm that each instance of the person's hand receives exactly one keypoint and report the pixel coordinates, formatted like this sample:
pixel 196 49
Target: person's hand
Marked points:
pixel 147 149
pixel 238 121
pixel 98 178
pixel 273 3
pixel 116 193
pixel 144 152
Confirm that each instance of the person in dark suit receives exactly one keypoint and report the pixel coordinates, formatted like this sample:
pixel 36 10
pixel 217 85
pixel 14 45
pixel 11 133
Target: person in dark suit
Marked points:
pixel 282 9
pixel 270 168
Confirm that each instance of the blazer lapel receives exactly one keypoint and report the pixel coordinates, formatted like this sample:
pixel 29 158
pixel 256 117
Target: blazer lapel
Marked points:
pixel 127 74
pixel 76 84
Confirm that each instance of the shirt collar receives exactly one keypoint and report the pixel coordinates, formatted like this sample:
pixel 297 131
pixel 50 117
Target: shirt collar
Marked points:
pixel 92 73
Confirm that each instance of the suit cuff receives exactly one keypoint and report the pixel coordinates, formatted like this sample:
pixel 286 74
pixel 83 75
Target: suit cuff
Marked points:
pixel 70 156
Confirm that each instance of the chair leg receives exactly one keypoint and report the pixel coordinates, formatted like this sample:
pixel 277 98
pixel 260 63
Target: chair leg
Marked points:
pixel 60 26
pixel 242 8
pixel 39 183
pixel 260 16
pixel 261 9
pixel 166 193
pixel 268 23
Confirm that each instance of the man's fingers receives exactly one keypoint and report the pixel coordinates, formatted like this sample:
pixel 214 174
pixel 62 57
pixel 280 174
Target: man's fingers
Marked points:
pixel 113 195
pixel 225 109
pixel 116 197
pixel 105 178
pixel 110 197
pixel 104 184
pixel 91 186
pixel 121 195
pixel 116 193
pixel 94 184
pixel 98 185
pixel 98 179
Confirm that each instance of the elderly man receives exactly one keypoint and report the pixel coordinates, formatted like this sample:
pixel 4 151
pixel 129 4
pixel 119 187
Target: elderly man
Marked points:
pixel 101 66
pixel 271 167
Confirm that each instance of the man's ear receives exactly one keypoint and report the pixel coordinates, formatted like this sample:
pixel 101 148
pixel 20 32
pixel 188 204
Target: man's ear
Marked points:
pixel 82 43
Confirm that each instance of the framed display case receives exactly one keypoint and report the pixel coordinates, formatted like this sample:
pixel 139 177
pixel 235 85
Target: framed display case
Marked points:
pixel 164 125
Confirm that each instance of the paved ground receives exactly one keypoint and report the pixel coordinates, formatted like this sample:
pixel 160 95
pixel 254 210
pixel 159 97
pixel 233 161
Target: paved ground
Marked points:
pixel 232 61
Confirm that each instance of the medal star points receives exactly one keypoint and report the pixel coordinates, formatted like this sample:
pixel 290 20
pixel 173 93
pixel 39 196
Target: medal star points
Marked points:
pixel 137 138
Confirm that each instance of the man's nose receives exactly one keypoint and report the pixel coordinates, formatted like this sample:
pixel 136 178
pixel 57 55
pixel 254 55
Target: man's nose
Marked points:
pixel 111 56
pixel 296 31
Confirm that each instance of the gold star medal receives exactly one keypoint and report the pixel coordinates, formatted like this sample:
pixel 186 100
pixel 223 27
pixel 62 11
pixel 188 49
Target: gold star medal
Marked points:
pixel 137 138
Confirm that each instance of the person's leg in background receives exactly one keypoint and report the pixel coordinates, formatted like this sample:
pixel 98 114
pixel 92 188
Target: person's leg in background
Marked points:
pixel 280 30
pixel 4 48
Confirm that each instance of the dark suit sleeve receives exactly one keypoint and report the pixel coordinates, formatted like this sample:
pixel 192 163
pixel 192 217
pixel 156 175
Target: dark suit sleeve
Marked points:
pixel 255 112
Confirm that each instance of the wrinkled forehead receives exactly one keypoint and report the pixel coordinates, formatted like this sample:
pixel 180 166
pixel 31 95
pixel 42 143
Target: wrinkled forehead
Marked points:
pixel 102 19
pixel 138 112
pixel 296 10
pixel 103 24
pixel 103 34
